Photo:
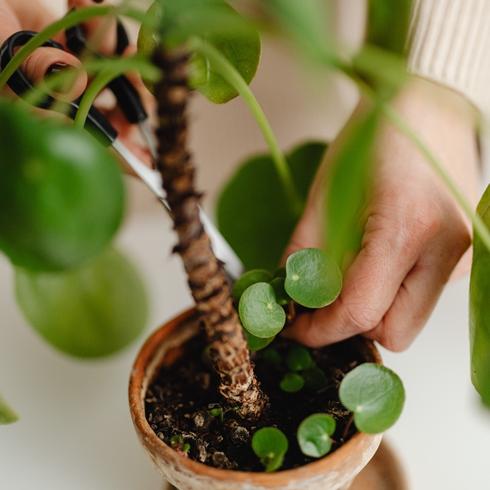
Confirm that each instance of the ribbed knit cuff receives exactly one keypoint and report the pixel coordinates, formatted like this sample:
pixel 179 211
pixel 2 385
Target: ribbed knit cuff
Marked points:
pixel 449 43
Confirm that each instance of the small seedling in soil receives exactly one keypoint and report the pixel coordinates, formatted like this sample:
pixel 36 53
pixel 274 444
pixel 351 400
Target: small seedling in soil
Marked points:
pixel 314 434
pixel 178 443
pixel 292 382
pixel 299 359
pixel 270 445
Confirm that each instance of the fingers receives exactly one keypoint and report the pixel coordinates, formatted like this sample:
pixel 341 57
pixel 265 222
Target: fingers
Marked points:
pixel 101 32
pixel 390 250
pixel 419 292
pixel 47 61
pixel 42 61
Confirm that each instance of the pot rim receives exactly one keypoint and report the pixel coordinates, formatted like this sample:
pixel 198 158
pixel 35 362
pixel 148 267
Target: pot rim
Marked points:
pixel 155 444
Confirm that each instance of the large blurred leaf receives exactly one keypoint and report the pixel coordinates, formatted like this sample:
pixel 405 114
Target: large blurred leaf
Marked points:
pixel 348 186
pixel 7 415
pixel 388 23
pixel 305 23
pixel 91 311
pixel 61 192
pixel 480 308
pixel 218 24
pixel 253 211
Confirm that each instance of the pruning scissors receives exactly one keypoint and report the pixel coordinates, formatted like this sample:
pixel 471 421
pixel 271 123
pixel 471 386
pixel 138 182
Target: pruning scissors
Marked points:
pixel 132 107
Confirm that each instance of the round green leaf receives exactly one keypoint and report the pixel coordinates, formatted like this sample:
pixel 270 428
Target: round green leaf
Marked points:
pixel 259 312
pixel 255 343
pixel 270 445
pixel 281 296
pixel 61 192
pixel 253 211
pixel 292 382
pixel 92 311
pixel 314 434
pixel 376 396
pixel 312 279
pixel 249 278
pixel 299 358
pixel 218 24
pixel 7 415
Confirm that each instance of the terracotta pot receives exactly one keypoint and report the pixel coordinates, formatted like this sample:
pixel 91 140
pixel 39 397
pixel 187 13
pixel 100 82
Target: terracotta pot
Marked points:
pixel 334 472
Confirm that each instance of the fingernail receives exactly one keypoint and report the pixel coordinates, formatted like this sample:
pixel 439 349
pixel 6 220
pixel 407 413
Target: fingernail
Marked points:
pixel 56 68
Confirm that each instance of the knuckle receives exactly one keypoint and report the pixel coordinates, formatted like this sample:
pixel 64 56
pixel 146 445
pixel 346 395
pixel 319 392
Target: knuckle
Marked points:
pixel 360 316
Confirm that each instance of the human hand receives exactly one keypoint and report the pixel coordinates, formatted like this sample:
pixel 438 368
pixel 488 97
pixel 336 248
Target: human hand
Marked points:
pixel 32 15
pixel 414 235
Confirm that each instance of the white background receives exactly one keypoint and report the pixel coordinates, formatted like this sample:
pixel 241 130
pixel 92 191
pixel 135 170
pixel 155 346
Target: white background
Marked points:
pixel 75 432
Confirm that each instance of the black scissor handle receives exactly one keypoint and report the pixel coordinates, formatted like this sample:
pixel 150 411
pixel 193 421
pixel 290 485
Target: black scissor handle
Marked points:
pixel 20 84
pixel 127 96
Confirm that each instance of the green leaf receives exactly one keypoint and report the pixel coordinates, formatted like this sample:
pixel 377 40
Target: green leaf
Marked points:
pixel 376 396
pixel 313 280
pixel 292 382
pixel 270 445
pixel 92 311
pixel 304 23
pixel 259 312
pixel 348 186
pixel 480 307
pixel 256 343
pixel 215 22
pixel 314 434
pixel 249 278
pixel 387 25
pixel 253 210
pixel 7 415
pixel 61 192
pixel 381 70
pixel 299 358
pixel 281 296
pixel 315 379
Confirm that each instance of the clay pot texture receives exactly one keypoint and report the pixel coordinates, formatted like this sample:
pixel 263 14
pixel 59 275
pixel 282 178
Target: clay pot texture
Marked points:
pixel 335 471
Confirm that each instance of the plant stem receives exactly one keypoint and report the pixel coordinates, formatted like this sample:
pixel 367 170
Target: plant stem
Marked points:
pixel 207 279
pixel 439 169
pixel 234 78
pixel 89 96
pixel 113 68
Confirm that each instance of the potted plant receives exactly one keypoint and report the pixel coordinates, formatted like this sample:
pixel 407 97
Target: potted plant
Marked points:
pixel 232 404
pixel 196 397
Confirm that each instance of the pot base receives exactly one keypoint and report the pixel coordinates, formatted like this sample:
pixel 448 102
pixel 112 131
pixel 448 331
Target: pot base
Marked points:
pixel 384 472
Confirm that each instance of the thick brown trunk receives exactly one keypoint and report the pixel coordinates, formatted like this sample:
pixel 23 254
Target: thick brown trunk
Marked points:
pixel 207 279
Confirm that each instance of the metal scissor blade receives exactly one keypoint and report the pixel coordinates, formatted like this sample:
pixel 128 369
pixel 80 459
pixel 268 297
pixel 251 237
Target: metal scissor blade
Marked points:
pixel 152 179
pixel 148 136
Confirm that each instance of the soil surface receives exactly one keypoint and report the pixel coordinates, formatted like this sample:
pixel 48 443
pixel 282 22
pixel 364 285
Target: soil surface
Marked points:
pixel 185 411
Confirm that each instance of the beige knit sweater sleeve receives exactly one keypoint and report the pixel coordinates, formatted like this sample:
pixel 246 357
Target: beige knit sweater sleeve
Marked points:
pixel 449 43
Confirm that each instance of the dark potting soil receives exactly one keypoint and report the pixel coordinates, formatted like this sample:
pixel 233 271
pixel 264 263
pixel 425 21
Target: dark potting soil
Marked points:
pixel 185 410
